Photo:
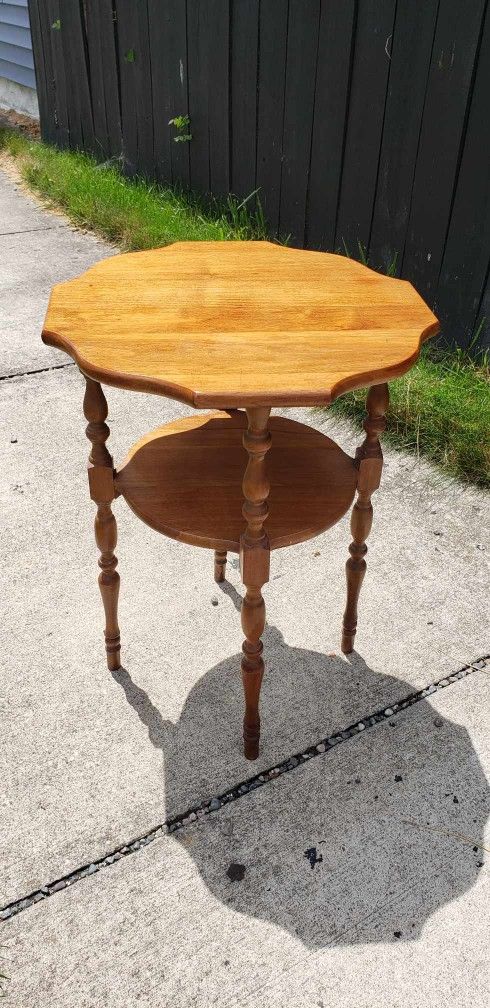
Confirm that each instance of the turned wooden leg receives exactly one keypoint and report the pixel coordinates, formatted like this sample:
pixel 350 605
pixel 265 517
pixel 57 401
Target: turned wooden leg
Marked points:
pixel 254 568
pixel 369 460
pixel 219 565
pixel 101 483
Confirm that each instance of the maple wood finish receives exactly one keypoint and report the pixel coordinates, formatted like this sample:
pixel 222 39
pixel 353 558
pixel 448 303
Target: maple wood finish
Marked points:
pixel 101 483
pixel 240 327
pixel 185 480
pixel 369 458
pixel 220 324
pixel 219 565
pixel 254 569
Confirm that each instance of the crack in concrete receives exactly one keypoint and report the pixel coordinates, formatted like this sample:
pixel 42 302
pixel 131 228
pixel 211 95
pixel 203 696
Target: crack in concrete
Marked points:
pixel 25 374
pixel 198 812
pixel 50 227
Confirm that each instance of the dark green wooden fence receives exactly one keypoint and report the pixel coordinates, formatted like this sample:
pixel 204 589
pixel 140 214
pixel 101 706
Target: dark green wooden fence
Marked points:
pixel 363 123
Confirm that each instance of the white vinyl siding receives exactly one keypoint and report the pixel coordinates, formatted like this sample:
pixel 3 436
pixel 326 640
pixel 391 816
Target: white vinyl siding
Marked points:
pixel 16 60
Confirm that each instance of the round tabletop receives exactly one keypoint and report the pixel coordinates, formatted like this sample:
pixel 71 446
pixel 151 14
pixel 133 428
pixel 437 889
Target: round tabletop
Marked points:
pixel 227 324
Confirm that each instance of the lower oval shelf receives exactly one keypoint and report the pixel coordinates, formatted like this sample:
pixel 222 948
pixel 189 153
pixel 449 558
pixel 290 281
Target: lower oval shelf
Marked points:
pixel 185 480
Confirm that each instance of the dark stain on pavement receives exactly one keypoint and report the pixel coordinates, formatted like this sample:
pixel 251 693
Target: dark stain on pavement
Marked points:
pixel 236 872
pixel 313 857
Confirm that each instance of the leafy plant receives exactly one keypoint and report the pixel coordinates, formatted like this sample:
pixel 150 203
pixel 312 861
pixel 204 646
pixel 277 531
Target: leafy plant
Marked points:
pixel 130 56
pixel 56 26
pixel 181 123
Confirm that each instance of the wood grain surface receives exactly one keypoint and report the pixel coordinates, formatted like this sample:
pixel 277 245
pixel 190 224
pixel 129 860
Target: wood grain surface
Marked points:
pixel 185 480
pixel 225 324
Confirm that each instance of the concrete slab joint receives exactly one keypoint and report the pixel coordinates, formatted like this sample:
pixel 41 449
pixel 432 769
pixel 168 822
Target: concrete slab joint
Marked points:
pixel 214 804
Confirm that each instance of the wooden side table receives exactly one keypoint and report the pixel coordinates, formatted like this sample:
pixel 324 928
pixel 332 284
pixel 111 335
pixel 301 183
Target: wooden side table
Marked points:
pixel 240 328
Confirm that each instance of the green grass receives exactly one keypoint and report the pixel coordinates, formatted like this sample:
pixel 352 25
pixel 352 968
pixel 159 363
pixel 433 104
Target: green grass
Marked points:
pixel 440 409
pixel 132 213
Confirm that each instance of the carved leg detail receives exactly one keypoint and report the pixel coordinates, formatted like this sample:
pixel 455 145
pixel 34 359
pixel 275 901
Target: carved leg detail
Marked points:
pixel 355 569
pixel 101 483
pixel 109 580
pixel 254 567
pixel 219 565
pixel 369 459
pixel 253 623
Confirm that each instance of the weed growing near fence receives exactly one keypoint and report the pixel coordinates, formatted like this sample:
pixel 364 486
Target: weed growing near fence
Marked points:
pixel 440 409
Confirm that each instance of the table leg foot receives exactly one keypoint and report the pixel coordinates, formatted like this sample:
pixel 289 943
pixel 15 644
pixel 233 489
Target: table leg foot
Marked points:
pixel 250 748
pixel 369 459
pixel 347 645
pixel 114 660
pixel 219 565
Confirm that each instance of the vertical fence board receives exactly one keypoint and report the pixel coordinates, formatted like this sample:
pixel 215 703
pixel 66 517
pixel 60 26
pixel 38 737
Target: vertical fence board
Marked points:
pixel 111 76
pixel 301 59
pixel 198 84
pixel 218 30
pixel 373 34
pixel 76 75
pixel 413 37
pixel 168 48
pixel 244 67
pixel 126 41
pixel 332 83
pixel 455 45
pixel 208 68
pixel 104 78
pixel 159 29
pixel 44 73
pixel 465 262
pixel 146 159
pixel 97 78
pixel 270 109
pixel 135 77
pixel 55 42
pixel 178 87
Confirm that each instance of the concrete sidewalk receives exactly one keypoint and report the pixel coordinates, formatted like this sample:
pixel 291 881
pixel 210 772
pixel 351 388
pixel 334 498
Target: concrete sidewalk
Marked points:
pixel 357 875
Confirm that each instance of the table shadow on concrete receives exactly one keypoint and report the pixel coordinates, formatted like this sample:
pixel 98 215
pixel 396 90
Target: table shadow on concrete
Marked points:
pixel 361 845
